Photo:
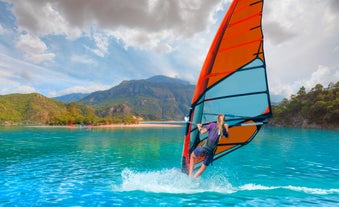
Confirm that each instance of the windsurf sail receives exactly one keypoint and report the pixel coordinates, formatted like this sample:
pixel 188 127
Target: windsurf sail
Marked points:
pixel 232 81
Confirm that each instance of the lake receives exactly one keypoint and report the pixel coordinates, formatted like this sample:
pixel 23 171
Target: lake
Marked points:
pixel 141 167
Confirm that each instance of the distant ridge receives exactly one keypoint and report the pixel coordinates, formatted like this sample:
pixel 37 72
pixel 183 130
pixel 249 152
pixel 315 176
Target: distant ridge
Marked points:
pixel 165 79
pixel 73 97
pixel 155 98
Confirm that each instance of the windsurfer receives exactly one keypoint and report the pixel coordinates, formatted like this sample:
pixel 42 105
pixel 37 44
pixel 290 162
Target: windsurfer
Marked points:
pixel 215 131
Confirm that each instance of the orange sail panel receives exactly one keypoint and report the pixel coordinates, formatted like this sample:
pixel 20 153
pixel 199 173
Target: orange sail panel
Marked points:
pixel 232 81
pixel 237 42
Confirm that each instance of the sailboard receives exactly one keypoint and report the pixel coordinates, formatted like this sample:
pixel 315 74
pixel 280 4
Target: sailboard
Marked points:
pixel 232 81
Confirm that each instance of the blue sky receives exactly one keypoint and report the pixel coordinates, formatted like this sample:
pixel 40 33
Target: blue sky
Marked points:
pixel 57 47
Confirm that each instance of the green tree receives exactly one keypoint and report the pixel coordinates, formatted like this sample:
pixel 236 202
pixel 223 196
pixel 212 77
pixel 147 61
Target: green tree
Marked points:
pixel 319 106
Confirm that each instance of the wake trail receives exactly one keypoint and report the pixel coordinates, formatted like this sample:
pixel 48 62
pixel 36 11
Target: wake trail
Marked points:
pixel 173 181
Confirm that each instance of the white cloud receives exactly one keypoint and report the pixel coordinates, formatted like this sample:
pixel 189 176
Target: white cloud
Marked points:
pixel 34 49
pixel 140 23
pixel 323 75
pixel 82 59
pixel 163 48
pixel 2 30
pixel 17 75
pixel 138 39
pixel 300 37
pixel 85 88
pixel 9 83
pixel 102 42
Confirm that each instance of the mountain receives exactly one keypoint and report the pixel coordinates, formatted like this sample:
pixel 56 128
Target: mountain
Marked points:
pixel 156 98
pixel 73 97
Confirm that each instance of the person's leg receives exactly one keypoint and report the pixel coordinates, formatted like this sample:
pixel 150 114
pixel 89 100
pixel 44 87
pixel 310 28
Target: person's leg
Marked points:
pixel 200 171
pixel 192 162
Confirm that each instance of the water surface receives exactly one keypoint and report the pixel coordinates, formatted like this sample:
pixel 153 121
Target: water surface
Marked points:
pixel 141 167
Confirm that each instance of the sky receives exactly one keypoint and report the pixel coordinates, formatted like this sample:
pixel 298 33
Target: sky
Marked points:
pixel 58 47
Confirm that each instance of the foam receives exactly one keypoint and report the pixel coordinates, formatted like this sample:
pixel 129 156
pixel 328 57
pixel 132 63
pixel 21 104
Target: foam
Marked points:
pixel 174 181
pixel 170 181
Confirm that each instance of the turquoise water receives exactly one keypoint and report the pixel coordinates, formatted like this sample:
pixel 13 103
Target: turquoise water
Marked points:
pixel 140 167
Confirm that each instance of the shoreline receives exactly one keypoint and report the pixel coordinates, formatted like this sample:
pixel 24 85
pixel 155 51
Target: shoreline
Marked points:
pixel 139 125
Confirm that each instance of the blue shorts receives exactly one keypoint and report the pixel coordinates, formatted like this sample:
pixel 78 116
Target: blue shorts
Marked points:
pixel 199 152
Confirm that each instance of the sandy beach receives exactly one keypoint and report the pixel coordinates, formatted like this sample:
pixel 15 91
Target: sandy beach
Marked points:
pixel 138 125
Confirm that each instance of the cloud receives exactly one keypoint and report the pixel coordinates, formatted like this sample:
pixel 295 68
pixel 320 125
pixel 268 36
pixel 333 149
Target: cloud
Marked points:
pixel 163 48
pixel 82 59
pixel 16 87
pixel 334 6
pixel 301 38
pixel 138 39
pixel 86 88
pixel 9 82
pixel 138 23
pixel 102 42
pixel 2 30
pixel 331 16
pixel 323 75
pixel 113 40
pixel 277 33
pixel 43 18
pixel 34 49
pixel 16 75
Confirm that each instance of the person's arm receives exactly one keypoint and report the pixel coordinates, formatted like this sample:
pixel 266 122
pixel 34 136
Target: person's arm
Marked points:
pixel 201 130
pixel 226 129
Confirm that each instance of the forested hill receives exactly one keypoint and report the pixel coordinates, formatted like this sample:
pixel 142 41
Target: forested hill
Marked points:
pixel 318 108
pixel 35 108
pixel 160 98
pixel 156 98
